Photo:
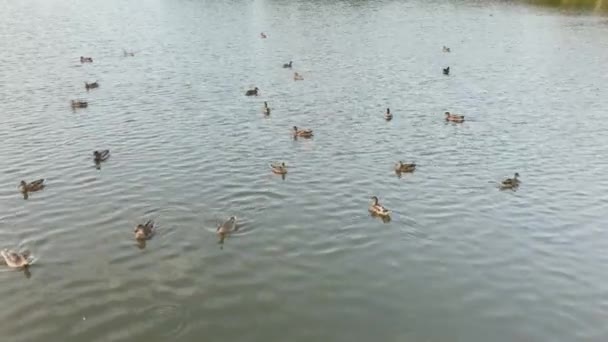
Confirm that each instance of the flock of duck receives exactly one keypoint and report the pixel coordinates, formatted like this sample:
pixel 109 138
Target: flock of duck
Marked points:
pixel 145 231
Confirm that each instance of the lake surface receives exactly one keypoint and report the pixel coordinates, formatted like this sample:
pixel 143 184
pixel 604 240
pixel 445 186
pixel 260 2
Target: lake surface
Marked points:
pixel 460 260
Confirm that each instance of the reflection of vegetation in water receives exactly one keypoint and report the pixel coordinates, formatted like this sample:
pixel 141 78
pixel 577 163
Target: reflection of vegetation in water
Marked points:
pixel 592 4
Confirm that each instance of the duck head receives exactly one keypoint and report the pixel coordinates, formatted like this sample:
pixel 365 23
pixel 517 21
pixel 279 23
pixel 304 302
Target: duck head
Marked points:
pixel 295 128
pixel 388 110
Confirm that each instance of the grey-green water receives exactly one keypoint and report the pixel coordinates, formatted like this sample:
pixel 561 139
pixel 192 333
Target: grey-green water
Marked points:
pixel 460 260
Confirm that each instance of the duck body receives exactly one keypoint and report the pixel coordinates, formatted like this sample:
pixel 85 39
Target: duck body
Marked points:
pixel 266 109
pixel 446 49
pixel 144 231
pixel 401 167
pixel 227 227
pixel 252 92
pixel 388 116
pixel 15 259
pixel 79 104
pixel 263 35
pixel 446 71
pixel 298 77
pixel 128 53
pixel 302 133
pixel 377 209
pixel 288 65
pixel 279 169
pixel 100 156
pixel 91 85
pixel 36 185
pixel 453 117
pixel 86 59
pixel 511 183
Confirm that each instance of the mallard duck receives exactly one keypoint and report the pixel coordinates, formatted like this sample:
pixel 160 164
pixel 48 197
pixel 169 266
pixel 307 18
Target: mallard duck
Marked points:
pixel 252 92
pixel 86 59
pixel 288 65
pixel 378 209
pixel 36 185
pixel 388 116
pixel 446 71
pixel 263 35
pixel 303 133
pixel 91 85
pixel 100 156
pixel 145 231
pixel 510 183
pixel 266 109
pixel 79 104
pixel 446 49
pixel 279 169
pixel 16 259
pixel 401 167
pixel 453 117
pixel 227 227
pixel 297 77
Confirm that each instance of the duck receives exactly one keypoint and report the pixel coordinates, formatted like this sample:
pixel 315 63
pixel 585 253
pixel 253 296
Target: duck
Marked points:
pixel 79 104
pixel 36 185
pixel 144 231
pixel 446 71
pixel 128 53
pixel 454 117
pixel 446 49
pixel 91 85
pixel 377 209
pixel 226 228
pixel 388 116
pixel 510 183
pixel 266 109
pixel 263 35
pixel 16 259
pixel 288 65
pixel 401 167
pixel 279 169
pixel 297 77
pixel 252 92
pixel 100 156
pixel 86 59
pixel 304 133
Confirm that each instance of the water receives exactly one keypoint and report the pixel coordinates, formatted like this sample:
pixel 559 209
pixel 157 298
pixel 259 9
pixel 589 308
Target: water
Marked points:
pixel 460 260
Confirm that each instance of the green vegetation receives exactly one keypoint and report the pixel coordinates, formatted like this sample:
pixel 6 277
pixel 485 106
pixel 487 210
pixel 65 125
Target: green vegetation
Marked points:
pixel 597 5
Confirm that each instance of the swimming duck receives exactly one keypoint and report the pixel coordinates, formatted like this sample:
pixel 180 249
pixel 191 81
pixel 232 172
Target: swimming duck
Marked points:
pixel 266 109
pixel 401 167
pixel 288 65
pixel 263 35
pixel 128 53
pixel 297 77
pixel 86 59
pixel 91 85
pixel 279 169
pixel 453 117
pixel 388 116
pixel 252 92
pixel 304 133
pixel 446 49
pixel 510 183
pixel 79 104
pixel 36 185
pixel 100 156
pixel 446 71
pixel 16 259
pixel 226 228
pixel 378 209
pixel 144 231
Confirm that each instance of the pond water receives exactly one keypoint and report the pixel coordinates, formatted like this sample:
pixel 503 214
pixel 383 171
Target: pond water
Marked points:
pixel 459 261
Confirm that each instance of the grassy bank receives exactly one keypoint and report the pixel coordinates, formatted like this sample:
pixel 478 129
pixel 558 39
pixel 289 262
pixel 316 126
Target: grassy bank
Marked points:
pixel 597 5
